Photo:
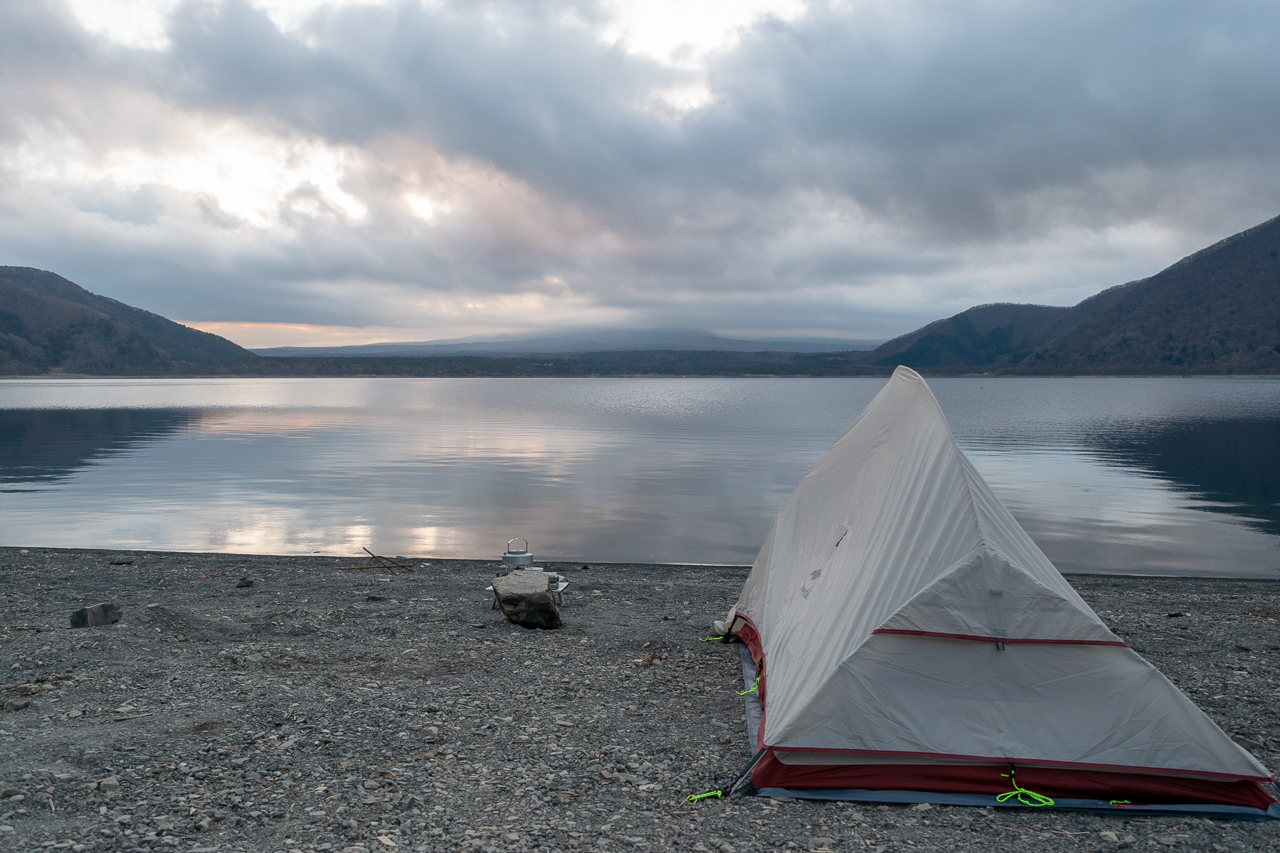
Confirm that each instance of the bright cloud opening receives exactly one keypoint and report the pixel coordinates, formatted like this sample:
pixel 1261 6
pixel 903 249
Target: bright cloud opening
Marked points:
pixel 252 178
pixel 682 33
pixel 423 207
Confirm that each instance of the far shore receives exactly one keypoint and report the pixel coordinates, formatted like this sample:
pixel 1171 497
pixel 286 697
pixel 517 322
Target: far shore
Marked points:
pixel 427 374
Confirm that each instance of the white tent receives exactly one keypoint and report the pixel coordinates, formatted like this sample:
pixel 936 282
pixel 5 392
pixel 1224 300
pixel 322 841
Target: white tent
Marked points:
pixel 911 638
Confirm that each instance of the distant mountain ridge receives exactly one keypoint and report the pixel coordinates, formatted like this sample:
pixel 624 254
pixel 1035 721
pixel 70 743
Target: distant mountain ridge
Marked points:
pixel 51 325
pixel 985 335
pixel 1216 311
pixel 577 341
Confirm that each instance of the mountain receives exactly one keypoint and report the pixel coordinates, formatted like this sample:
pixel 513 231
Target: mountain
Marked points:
pixel 1214 312
pixel 579 340
pixel 51 325
pixel 984 336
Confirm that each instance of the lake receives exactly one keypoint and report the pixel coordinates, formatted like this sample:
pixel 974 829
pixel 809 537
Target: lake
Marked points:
pixel 1135 476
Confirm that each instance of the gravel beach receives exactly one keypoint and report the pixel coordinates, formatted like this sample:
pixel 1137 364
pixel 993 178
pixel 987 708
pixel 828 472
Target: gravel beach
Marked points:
pixel 326 709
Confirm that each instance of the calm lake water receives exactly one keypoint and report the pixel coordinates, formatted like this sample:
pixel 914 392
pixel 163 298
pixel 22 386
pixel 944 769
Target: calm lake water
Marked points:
pixel 1148 476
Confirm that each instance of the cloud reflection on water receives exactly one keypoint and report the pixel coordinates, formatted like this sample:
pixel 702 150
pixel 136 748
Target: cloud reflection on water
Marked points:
pixel 617 470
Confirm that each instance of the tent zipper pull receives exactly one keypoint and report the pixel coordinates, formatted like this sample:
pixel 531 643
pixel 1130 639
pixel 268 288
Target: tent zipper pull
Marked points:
pixel 999 646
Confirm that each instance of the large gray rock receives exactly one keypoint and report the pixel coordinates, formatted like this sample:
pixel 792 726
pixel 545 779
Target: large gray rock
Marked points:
pixel 526 600
pixel 98 614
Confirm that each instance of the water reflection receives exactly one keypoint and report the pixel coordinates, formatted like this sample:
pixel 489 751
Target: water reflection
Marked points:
pixel 1228 466
pixel 41 446
pixel 1146 476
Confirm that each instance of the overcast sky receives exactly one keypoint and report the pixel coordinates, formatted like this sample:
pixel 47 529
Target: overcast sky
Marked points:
pixel 300 172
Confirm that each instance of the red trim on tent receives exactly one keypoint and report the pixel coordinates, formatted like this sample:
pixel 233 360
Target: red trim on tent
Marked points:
pixel 1058 782
pixel 1000 639
pixel 1047 763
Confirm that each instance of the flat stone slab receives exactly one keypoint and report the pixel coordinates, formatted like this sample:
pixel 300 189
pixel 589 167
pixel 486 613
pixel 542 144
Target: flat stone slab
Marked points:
pixel 98 614
pixel 526 599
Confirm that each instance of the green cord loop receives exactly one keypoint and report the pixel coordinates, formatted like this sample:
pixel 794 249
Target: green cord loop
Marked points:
pixel 751 689
pixel 1027 798
pixel 709 639
pixel 1121 803
pixel 693 798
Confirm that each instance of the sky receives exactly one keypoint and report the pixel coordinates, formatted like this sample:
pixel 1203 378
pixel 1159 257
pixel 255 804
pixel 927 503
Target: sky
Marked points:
pixel 295 172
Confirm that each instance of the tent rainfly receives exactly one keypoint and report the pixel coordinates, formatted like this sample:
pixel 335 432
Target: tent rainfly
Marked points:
pixel 912 644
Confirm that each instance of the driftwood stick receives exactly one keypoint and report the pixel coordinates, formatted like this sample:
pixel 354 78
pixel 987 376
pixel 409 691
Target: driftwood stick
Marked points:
pixel 378 563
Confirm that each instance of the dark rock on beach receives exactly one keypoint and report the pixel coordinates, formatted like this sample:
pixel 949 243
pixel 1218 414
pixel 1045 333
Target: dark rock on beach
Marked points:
pixel 526 600
pixel 98 614
pixel 330 710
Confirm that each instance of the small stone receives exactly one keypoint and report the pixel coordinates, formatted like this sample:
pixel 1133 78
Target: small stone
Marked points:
pixel 202 824
pixel 98 614
pixel 921 807
pixel 244 582
pixel 1109 836
pixel 9 792
pixel 111 783
pixel 16 704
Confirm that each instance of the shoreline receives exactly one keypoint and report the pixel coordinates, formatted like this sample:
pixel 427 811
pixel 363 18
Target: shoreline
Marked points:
pixel 560 564
pixel 323 709
pixel 694 375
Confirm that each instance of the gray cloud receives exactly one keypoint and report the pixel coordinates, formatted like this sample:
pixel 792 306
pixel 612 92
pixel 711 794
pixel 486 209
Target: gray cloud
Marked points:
pixel 865 168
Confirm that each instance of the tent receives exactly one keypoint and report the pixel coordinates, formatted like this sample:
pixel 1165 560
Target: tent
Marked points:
pixel 912 644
